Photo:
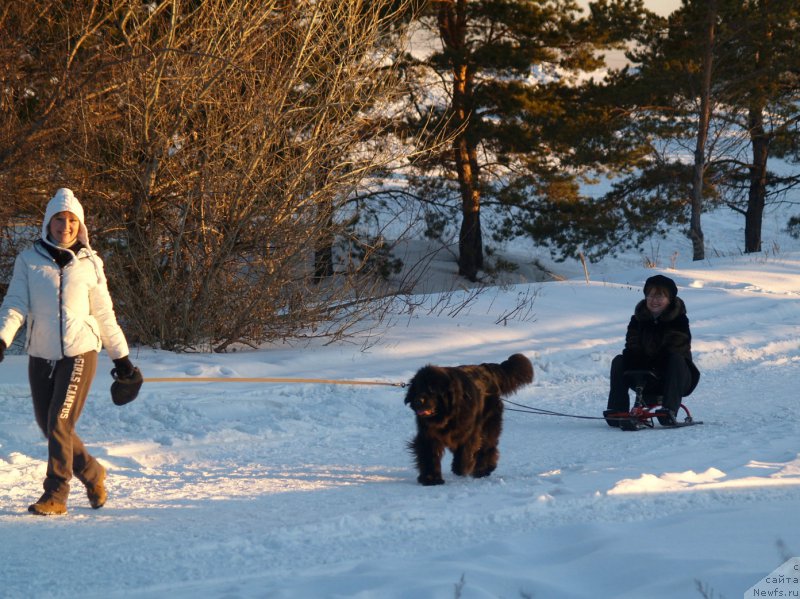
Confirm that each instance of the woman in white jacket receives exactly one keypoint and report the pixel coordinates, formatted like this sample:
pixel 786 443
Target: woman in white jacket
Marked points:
pixel 59 289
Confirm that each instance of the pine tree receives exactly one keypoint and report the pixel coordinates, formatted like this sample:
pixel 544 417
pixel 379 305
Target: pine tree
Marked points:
pixel 767 34
pixel 676 96
pixel 522 134
pixel 717 76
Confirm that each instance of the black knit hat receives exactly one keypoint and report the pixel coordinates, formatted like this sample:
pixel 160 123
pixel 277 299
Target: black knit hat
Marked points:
pixel 661 282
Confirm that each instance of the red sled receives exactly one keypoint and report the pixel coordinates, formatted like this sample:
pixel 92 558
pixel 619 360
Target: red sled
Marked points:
pixel 646 408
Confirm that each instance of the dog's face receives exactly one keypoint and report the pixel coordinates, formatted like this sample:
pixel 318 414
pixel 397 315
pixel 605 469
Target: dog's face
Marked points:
pixel 429 392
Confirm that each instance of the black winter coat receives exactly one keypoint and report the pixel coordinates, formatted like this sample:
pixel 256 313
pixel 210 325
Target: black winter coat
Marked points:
pixel 649 341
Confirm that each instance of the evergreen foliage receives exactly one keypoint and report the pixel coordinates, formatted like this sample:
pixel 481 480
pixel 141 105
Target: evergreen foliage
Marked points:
pixel 233 154
pixel 528 123
pixel 754 96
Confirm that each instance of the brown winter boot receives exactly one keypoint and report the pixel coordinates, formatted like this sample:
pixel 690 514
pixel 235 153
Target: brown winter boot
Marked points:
pixel 47 506
pixel 97 492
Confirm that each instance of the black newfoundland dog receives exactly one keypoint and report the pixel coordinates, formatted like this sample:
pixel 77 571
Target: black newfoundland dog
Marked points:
pixel 460 408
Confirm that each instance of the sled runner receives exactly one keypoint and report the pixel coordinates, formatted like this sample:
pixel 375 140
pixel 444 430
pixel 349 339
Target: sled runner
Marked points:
pixel 646 407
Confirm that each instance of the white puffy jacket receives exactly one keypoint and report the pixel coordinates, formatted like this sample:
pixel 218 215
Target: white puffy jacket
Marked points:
pixel 68 311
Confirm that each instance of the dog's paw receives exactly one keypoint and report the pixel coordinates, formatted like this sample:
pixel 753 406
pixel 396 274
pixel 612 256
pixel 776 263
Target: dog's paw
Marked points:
pixel 462 470
pixel 430 480
pixel 482 472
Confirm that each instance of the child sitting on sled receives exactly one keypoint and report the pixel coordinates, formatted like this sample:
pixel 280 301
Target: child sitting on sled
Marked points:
pixel 658 339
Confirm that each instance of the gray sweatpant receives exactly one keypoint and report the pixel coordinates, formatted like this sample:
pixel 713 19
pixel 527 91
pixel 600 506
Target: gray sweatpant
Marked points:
pixel 59 389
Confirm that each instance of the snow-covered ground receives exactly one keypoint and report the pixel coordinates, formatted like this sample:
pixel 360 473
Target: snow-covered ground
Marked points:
pixel 307 490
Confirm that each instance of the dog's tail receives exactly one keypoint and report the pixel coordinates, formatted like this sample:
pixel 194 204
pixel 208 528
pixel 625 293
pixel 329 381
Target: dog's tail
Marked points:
pixel 518 371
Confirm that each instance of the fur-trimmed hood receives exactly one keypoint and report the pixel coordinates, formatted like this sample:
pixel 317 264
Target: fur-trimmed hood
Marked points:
pixel 675 309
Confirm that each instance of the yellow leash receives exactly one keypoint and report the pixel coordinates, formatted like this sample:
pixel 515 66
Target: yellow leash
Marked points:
pixel 263 379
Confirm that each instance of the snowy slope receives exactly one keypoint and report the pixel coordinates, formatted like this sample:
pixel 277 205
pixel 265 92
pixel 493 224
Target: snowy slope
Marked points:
pixel 307 490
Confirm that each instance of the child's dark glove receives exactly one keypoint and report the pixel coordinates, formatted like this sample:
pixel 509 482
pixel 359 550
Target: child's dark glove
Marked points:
pixel 2 349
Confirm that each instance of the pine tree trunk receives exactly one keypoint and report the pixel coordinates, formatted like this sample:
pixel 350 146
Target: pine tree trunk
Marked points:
pixel 452 29
pixel 760 140
pixel 756 197
pixel 695 229
pixel 470 240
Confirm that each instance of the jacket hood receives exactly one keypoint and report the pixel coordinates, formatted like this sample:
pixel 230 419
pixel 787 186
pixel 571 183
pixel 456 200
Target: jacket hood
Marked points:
pixel 65 201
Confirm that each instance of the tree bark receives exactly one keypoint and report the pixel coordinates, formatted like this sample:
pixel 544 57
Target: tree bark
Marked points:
pixel 760 140
pixel 757 193
pixel 452 29
pixel 698 179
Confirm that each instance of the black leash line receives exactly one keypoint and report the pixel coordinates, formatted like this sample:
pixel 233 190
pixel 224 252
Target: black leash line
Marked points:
pixel 542 412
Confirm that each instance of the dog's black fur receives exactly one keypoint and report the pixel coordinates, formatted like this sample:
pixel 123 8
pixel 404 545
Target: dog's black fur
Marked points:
pixel 460 408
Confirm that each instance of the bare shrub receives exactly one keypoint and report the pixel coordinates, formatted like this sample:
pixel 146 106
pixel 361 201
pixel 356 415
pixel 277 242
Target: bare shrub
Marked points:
pixel 218 146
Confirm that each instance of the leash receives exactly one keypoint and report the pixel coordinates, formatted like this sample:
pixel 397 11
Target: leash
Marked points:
pixel 525 409
pixel 264 379
pixel 269 379
pixel 542 412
